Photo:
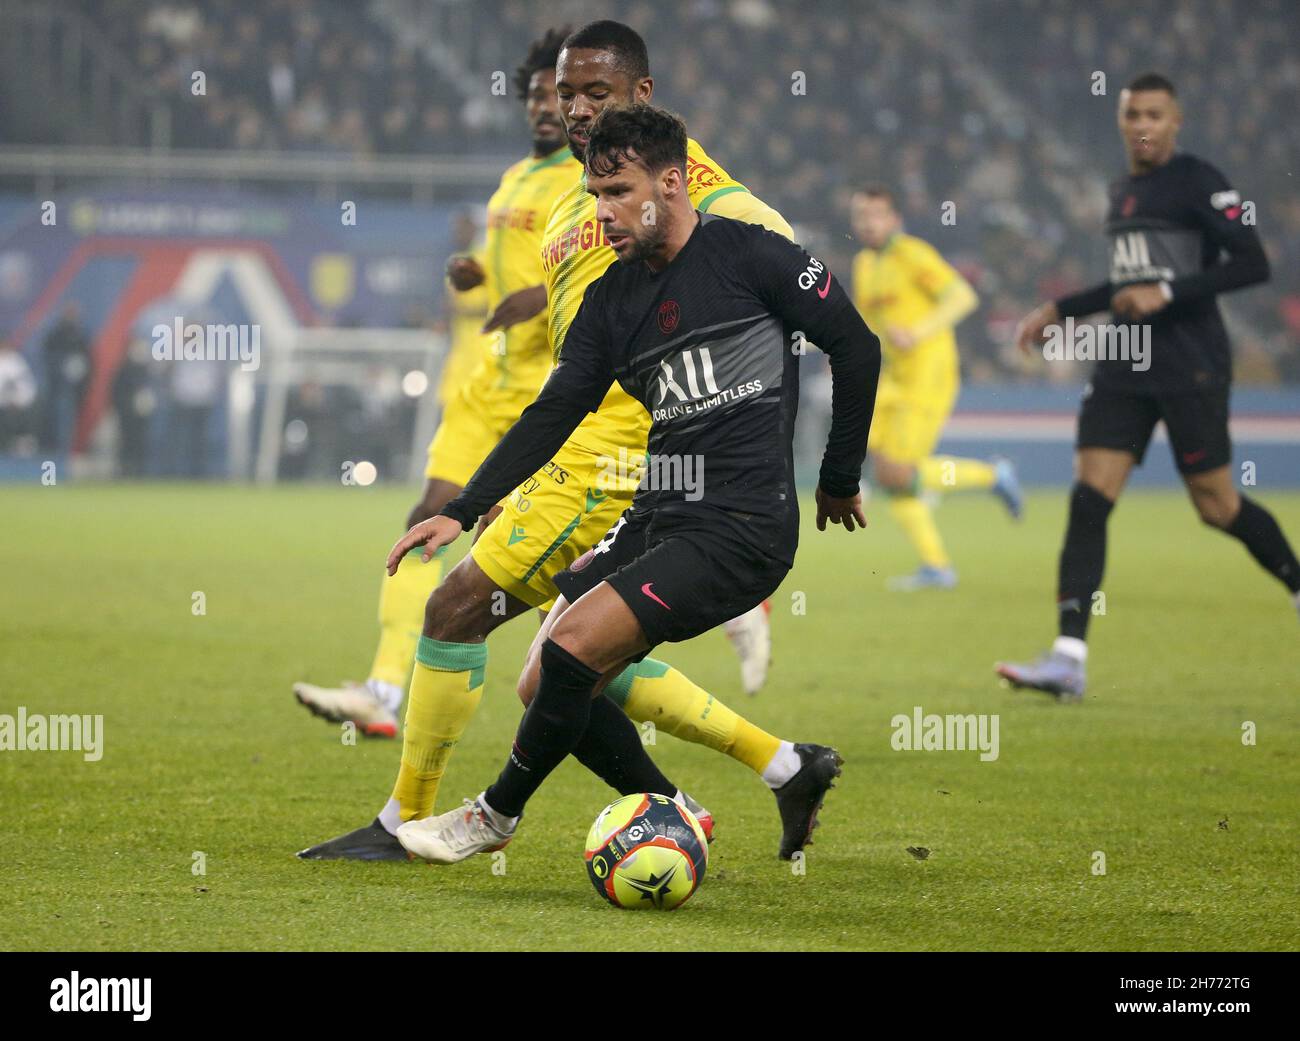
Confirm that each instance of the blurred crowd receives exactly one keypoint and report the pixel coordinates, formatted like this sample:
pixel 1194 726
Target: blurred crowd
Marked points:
pixel 801 109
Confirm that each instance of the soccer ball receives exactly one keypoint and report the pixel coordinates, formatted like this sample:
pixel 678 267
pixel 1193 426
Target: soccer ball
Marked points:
pixel 646 851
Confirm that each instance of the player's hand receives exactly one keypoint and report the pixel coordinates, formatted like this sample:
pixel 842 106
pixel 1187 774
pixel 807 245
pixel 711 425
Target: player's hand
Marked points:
pixel 519 306
pixel 485 520
pixel 432 534
pixel 839 511
pixel 1030 331
pixel 1138 301
pixel 900 337
pixel 465 273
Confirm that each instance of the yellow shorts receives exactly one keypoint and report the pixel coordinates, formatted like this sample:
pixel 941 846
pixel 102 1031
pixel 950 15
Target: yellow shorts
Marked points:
pixel 907 425
pixel 472 423
pixel 552 519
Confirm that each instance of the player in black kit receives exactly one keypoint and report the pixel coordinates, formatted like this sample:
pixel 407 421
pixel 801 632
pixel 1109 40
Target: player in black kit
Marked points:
pixel 1179 235
pixel 702 321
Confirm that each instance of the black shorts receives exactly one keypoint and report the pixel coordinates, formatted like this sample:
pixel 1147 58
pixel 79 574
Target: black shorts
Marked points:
pixel 1197 423
pixel 680 578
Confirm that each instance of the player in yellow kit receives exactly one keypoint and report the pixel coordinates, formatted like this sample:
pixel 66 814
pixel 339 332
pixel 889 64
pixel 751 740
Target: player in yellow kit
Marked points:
pixel 563 511
pixel 513 358
pixel 913 299
pixel 465 314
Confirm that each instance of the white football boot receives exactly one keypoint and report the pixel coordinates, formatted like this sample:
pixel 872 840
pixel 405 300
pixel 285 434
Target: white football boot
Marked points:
pixel 457 834
pixel 751 635
pixel 350 703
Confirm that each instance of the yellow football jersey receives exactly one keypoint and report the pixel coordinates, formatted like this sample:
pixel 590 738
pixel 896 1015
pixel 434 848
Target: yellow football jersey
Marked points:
pixel 518 359
pixel 467 347
pixel 897 286
pixel 575 254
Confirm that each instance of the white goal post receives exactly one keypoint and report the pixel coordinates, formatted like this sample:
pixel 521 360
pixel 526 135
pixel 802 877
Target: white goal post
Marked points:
pixel 330 356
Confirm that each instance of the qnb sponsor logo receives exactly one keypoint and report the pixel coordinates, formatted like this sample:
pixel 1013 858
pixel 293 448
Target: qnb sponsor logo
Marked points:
pixel 73 994
pixel 654 472
pixel 922 732
pixel 1130 261
pixel 812 274
pixel 1105 342
pixel 686 386
pixel 190 341
pixel 33 732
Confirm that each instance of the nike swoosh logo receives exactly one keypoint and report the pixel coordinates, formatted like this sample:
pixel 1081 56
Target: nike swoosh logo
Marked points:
pixel 826 288
pixel 647 591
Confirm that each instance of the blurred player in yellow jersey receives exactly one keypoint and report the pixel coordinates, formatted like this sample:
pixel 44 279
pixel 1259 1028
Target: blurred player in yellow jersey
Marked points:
pixel 465 314
pixel 563 510
pixel 913 299
pixel 509 360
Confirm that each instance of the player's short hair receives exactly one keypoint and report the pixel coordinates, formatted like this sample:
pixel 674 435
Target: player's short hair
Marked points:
pixel 878 191
pixel 542 54
pixel 621 40
pixel 653 137
pixel 1152 81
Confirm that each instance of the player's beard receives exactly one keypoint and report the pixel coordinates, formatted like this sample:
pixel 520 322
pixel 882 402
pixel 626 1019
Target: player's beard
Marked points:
pixel 647 244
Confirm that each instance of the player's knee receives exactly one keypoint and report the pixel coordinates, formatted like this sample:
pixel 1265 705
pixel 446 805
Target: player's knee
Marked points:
pixel 892 477
pixel 456 612
pixel 1215 510
pixel 572 635
pixel 1091 500
pixel 526 688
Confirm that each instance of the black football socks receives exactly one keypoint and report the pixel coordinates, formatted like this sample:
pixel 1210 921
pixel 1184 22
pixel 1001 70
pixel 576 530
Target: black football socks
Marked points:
pixel 612 750
pixel 1083 559
pixel 551 728
pixel 1255 527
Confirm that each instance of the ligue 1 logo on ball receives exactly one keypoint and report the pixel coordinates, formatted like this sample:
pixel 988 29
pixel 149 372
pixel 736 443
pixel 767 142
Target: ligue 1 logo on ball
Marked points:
pixel 669 312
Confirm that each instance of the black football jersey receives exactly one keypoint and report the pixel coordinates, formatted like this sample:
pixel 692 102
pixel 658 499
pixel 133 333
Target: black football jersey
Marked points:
pixel 1175 224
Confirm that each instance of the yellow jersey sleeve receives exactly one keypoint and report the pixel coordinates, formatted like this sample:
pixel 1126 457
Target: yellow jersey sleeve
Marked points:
pixel 706 180
pixel 928 270
pixel 859 276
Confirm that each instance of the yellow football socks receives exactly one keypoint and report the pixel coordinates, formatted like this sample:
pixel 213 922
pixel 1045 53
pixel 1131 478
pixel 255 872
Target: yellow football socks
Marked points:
pixel 401 616
pixel 913 516
pixel 445 690
pixel 947 473
pixel 653 692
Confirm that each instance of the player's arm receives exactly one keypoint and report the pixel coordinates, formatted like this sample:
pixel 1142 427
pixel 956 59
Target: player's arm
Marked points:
pixel 465 271
pixel 803 294
pixel 954 298
pixel 745 207
pixel 1033 327
pixel 576 386
pixel 1218 209
pixel 519 306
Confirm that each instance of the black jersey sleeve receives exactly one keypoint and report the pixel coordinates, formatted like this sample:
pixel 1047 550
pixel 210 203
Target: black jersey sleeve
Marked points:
pixel 1218 209
pixel 1085 302
pixel 802 292
pixel 576 386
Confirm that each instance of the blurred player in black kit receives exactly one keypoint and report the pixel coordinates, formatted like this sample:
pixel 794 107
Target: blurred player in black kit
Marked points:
pixel 1178 237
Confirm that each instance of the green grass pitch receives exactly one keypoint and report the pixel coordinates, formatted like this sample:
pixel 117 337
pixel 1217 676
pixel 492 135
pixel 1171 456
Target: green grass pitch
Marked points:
pixel 206 752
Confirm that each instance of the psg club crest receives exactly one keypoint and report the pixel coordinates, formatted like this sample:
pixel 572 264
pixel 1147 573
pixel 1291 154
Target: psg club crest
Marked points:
pixel 669 312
